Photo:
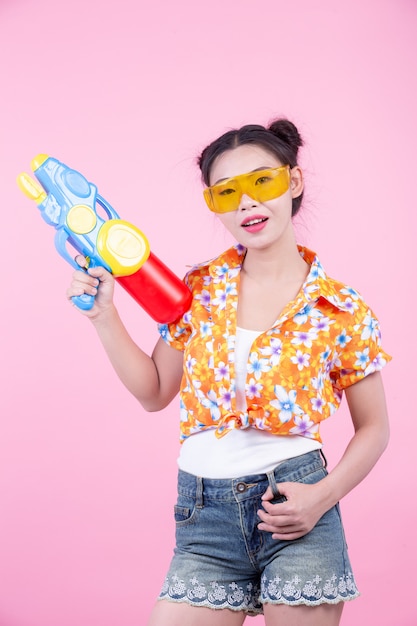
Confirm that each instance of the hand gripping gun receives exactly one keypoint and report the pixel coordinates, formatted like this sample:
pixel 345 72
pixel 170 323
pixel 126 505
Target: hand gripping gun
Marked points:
pixel 68 202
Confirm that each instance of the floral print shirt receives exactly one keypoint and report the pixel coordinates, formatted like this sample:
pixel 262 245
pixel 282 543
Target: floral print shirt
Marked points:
pixel 322 342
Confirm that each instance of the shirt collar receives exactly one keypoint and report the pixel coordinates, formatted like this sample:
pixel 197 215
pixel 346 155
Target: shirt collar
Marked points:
pixel 317 284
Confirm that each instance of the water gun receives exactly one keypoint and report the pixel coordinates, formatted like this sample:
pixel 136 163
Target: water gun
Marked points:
pixel 68 202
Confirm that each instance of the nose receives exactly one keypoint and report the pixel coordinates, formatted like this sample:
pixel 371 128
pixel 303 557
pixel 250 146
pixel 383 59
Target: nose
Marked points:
pixel 246 202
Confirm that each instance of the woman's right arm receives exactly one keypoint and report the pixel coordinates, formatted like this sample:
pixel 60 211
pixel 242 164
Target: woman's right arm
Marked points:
pixel 154 380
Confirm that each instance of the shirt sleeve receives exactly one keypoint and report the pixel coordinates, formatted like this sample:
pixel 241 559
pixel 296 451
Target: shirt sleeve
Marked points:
pixel 358 349
pixel 175 334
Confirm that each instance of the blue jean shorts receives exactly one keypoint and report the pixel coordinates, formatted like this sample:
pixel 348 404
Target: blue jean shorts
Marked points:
pixel 222 560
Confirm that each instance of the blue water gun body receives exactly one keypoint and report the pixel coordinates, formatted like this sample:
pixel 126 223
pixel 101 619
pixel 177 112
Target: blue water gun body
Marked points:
pixel 67 201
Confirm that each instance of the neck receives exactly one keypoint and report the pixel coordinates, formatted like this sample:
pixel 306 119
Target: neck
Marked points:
pixel 268 264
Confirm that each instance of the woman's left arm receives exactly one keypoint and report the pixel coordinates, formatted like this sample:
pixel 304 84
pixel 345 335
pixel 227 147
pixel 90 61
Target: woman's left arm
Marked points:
pixel 305 504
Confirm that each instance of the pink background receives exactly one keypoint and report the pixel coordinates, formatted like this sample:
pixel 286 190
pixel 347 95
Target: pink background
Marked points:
pixel 128 93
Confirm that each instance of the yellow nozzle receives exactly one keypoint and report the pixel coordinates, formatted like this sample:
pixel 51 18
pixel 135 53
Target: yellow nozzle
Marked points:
pixel 38 161
pixel 31 188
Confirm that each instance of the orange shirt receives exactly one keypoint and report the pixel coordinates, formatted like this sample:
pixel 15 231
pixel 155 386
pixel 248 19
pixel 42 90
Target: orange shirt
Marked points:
pixel 322 342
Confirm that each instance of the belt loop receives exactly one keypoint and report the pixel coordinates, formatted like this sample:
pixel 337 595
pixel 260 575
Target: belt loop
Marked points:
pixel 273 484
pixel 324 458
pixel 199 493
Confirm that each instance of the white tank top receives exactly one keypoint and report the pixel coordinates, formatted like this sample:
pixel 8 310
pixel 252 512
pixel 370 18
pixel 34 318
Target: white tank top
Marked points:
pixel 241 451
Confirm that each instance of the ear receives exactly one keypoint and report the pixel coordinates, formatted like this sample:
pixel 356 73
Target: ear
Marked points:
pixel 297 181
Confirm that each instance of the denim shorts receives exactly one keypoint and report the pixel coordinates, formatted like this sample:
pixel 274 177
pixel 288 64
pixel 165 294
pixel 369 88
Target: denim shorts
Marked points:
pixel 222 560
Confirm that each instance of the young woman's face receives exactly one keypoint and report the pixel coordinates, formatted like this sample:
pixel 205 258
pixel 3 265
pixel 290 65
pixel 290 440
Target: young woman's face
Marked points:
pixel 256 224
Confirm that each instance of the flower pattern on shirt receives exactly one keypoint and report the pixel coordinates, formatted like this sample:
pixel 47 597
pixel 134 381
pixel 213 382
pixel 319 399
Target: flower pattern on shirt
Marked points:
pixel 323 341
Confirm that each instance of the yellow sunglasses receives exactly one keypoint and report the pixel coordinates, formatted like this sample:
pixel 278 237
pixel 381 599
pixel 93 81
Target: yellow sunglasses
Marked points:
pixel 262 185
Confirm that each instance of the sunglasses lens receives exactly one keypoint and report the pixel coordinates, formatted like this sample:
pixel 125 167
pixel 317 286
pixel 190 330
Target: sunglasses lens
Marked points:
pixel 224 197
pixel 270 184
pixel 261 186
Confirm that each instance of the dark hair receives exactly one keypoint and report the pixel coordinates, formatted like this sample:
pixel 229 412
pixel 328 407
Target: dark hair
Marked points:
pixel 281 138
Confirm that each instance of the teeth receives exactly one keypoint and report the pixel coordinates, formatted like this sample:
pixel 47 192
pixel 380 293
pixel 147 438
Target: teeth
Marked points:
pixel 252 222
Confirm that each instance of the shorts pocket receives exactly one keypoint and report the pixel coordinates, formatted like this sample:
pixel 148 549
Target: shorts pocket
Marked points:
pixel 313 477
pixel 181 513
pixel 184 510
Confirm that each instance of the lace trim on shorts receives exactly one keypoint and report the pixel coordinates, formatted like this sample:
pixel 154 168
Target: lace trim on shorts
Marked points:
pixel 274 591
pixel 311 593
pixel 216 596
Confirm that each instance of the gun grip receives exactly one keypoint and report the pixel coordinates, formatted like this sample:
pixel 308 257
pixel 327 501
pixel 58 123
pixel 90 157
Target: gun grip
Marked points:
pixel 84 302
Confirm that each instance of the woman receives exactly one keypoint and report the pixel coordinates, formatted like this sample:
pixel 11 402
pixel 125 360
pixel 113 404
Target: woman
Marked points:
pixel 262 357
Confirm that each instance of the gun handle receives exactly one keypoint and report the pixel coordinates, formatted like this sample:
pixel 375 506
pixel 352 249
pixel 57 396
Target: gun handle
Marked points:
pixel 84 302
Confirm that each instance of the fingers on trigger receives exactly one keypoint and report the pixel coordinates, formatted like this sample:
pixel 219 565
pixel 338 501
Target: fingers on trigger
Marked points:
pixel 81 261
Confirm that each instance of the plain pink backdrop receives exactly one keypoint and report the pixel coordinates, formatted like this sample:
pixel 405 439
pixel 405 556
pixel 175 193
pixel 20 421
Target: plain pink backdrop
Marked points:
pixel 129 92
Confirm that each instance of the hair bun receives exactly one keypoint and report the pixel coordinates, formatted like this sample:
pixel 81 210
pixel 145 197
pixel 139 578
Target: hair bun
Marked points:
pixel 287 132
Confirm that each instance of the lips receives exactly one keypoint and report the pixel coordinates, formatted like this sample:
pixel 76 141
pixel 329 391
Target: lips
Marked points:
pixel 254 220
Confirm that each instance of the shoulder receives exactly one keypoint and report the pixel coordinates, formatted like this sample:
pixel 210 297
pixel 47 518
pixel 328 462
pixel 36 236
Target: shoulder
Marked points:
pixel 342 295
pixel 352 315
pixel 339 294
pixel 203 273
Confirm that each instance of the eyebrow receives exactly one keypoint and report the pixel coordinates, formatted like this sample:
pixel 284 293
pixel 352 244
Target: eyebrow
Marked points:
pixel 258 169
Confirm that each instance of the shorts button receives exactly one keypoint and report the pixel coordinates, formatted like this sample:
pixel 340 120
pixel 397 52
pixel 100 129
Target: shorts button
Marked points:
pixel 241 487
